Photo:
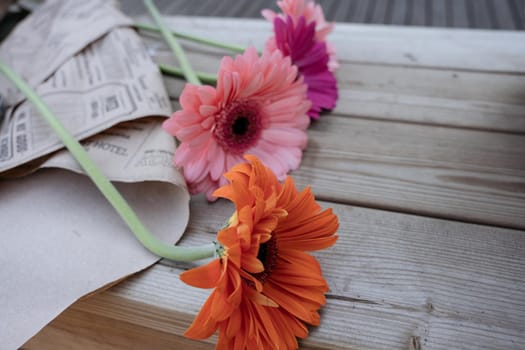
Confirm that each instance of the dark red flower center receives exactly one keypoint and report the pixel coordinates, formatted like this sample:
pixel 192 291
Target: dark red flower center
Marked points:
pixel 268 256
pixel 238 126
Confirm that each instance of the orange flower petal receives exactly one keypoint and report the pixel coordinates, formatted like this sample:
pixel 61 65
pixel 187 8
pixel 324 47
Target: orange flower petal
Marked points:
pixel 259 298
pixel 203 326
pixel 234 323
pixel 301 309
pixel 252 265
pixel 268 286
pixel 206 276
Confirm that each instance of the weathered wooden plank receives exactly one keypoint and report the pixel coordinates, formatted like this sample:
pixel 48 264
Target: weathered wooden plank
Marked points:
pixel 418 12
pixel 448 13
pixel 175 7
pixel 438 97
pixel 79 330
pixel 411 261
pixel 491 14
pixel 343 11
pixel 439 13
pixel 380 10
pixel 369 10
pixel 406 279
pixel 396 279
pixel 330 8
pixel 460 18
pixel 183 7
pixel 478 100
pixel 463 99
pixel 359 13
pixel 241 9
pixel 420 47
pixel 389 12
pixel 481 15
pixel 518 13
pixel 214 8
pixel 458 174
pixel 502 16
pixel 430 47
pixel 399 12
pixel 452 173
pixel 201 7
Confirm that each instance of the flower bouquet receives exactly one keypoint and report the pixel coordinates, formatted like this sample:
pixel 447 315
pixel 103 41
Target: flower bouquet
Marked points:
pixel 239 140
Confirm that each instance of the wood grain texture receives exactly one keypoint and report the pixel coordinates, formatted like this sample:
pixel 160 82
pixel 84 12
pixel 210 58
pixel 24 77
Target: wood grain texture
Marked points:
pixel 455 98
pixel 473 100
pixel 517 9
pixel 460 14
pixel 429 122
pixel 504 14
pixel 439 13
pixel 75 329
pixel 359 11
pixel 405 279
pixel 418 12
pixel 467 175
pixel 482 17
pixel 448 97
pixel 398 12
pixel 483 50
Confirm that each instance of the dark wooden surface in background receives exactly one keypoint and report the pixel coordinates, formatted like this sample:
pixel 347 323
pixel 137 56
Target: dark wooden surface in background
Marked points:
pixel 483 14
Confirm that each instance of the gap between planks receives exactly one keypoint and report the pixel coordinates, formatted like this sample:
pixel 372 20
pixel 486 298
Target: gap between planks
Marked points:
pixel 465 175
pixel 413 95
pixel 456 171
pixel 451 173
pixel 413 46
pixel 441 282
pixel 392 277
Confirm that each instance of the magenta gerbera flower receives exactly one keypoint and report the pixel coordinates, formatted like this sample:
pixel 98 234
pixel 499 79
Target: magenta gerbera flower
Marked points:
pixel 259 107
pixel 297 40
pixel 313 13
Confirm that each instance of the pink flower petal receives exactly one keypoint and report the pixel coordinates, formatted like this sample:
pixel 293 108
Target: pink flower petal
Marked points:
pixel 286 137
pixel 259 107
pixel 295 37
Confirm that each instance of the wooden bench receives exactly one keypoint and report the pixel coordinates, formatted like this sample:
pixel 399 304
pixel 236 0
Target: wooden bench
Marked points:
pixel 488 14
pixel 424 162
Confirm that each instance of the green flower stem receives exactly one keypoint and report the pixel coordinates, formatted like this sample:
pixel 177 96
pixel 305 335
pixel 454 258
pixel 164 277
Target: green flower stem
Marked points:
pixel 204 77
pixel 190 75
pixel 104 185
pixel 197 39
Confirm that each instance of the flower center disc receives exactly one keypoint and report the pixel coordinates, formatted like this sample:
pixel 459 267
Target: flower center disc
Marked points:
pixel 238 126
pixel 268 256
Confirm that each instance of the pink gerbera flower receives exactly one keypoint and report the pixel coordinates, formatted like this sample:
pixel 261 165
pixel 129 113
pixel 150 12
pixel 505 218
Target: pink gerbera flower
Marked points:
pixel 259 107
pixel 313 13
pixel 310 56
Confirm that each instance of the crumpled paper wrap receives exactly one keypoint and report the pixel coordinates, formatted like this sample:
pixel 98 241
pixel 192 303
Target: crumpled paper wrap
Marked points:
pixel 60 239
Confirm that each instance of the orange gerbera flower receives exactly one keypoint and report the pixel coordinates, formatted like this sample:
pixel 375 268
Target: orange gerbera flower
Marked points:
pixel 267 287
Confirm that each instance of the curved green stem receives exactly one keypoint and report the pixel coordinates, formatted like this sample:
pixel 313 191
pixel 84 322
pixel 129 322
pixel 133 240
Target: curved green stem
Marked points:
pixel 190 75
pixel 104 185
pixel 197 39
pixel 204 77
